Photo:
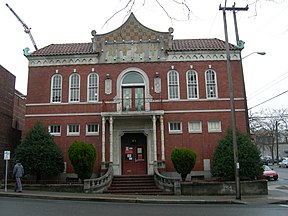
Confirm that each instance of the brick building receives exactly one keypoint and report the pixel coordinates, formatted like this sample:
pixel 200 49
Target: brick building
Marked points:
pixel 12 110
pixel 135 94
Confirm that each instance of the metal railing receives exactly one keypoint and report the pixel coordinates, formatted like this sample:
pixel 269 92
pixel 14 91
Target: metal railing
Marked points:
pixel 166 183
pixel 98 185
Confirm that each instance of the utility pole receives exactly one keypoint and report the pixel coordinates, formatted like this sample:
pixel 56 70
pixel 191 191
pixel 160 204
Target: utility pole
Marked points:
pixel 232 102
pixel 277 143
pixel 241 67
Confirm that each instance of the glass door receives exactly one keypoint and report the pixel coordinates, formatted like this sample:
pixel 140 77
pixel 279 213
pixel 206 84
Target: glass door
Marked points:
pixel 133 98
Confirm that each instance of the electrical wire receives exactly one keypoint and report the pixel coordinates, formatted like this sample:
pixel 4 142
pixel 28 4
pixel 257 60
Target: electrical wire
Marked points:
pixel 268 100
pixel 268 86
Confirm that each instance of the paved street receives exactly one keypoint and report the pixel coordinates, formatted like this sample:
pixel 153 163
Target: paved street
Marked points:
pixel 56 203
pixel 32 207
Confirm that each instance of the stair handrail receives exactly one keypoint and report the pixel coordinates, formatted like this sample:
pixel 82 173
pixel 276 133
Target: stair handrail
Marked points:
pixel 98 185
pixel 171 184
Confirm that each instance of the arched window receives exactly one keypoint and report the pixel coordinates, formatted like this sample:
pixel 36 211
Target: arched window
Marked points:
pixel 211 84
pixel 192 84
pixel 56 88
pixel 173 85
pixel 74 88
pixel 93 83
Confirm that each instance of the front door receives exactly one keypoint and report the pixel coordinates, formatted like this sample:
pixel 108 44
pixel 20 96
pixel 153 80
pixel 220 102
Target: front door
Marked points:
pixel 134 154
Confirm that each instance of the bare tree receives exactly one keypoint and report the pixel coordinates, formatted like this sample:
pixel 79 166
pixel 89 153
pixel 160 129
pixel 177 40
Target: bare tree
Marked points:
pixel 166 6
pixel 269 126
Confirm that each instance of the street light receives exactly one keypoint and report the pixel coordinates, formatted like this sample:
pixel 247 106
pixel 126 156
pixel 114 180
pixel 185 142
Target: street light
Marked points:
pixel 259 53
pixel 244 88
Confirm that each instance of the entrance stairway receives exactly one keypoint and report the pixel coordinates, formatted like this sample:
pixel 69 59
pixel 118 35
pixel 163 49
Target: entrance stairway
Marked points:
pixel 135 185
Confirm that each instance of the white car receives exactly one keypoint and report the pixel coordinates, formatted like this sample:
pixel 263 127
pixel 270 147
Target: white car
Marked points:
pixel 283 163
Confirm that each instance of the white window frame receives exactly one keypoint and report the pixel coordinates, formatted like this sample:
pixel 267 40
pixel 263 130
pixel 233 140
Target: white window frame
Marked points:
pixel 56 88
pixel 193 129
pixel 214 126
pixel 74 88
pixel 93 87
pixel 73 132
pixel 192 85
pixel 173 85
pixel 211 84
pixel 92 133
pixel 51 129
pixel 172 130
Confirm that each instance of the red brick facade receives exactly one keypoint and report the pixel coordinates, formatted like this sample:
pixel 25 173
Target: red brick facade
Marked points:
pixel 148 59
pixel 11 108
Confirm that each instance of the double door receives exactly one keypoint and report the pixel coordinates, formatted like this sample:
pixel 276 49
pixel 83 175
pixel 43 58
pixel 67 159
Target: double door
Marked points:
pixel 133 98
pixel 134 154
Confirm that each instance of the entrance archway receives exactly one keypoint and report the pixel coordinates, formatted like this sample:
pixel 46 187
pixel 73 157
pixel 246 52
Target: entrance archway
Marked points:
pixel 134 154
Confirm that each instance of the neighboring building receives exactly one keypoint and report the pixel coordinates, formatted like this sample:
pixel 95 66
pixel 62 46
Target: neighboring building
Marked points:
pixel 10 135
pixel 136 94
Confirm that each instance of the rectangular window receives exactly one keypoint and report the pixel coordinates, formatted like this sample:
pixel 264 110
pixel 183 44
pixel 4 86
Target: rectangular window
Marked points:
pixel 54 130
pixel 73 130
pixel 92 129
pixel 195 127
pixel 175 127
pixel 214 126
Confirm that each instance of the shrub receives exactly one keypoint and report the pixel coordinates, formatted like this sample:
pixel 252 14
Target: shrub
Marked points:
pixel 183 161
pixel 39 154
pixel 82 157
pixel 248 158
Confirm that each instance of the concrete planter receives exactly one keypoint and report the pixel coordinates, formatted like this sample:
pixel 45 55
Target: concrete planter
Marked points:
pixel 203 188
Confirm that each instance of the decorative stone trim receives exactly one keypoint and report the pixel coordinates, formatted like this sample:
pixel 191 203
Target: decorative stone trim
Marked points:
pixel 62 60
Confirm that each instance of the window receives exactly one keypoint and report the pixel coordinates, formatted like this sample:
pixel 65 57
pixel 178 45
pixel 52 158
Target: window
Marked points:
pixel 74 86
pixel 195 127
pixel 73 130
pixel 133 92
pixel 92 87
pixel 54 130
pixel 214 126
pixel 192 84
pixel 211 84
pixel 92 129
pixel 173 85
pixel 56 88
pixel 175 127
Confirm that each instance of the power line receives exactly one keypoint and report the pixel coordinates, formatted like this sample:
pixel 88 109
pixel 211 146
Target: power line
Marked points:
pixel 268 99
pixel 268 86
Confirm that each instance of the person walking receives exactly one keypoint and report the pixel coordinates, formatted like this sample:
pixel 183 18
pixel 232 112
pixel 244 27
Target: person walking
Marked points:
pixel 18 172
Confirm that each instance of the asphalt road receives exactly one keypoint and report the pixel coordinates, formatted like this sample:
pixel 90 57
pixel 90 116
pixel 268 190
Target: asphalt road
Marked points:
pixel 32 207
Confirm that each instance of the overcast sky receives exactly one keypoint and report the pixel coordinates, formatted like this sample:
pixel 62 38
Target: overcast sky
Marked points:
pixel 264 28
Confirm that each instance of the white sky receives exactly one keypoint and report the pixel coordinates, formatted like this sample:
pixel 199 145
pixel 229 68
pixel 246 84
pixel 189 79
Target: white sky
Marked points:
pixel 264 29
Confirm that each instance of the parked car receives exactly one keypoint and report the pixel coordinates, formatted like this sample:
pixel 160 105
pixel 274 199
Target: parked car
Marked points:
pixel 283 163
pixel 264 161
pixel 269 173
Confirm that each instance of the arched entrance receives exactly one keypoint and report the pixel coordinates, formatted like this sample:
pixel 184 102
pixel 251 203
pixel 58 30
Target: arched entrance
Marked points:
pixel 134 154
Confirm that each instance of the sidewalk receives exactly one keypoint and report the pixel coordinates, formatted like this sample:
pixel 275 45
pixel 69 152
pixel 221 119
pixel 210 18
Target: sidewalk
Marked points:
pixel 274 197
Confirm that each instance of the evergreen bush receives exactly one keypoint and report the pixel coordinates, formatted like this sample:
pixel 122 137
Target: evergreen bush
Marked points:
pixel 248 158
pixel 82 157
pixel 39 154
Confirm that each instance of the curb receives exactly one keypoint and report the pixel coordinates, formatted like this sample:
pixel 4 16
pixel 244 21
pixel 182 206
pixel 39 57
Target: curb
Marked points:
pixel 140 200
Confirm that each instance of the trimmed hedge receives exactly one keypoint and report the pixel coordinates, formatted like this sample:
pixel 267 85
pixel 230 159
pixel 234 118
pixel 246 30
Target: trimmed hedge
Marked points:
pixel 183 160
pixel 82 157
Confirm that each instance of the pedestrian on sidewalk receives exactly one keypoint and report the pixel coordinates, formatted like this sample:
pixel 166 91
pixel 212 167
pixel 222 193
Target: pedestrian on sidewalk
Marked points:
pixel 18 172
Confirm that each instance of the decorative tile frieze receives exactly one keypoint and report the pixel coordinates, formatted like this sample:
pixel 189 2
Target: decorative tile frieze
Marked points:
pixel 61 60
